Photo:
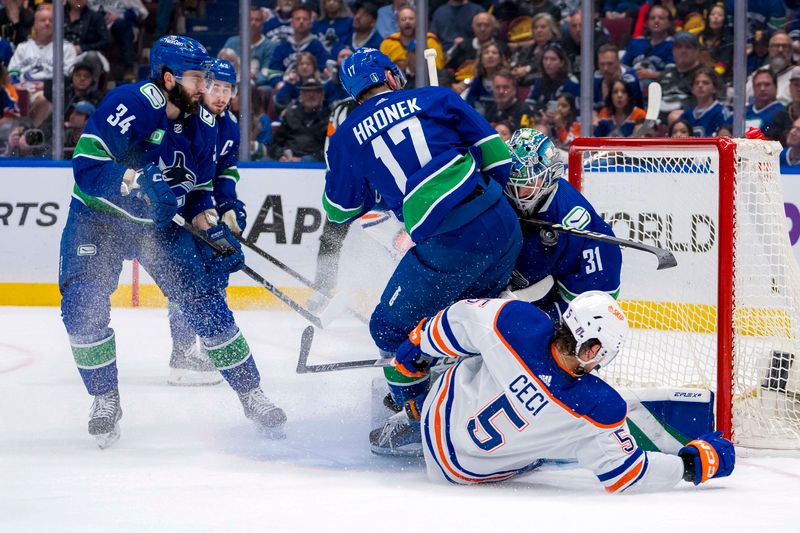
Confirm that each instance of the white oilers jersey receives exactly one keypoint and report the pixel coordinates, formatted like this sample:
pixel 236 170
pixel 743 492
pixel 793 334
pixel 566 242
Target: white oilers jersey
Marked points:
pixel 491 417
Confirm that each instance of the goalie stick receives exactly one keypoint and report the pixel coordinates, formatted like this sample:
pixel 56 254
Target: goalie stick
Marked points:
pixel 653 109
pixel 336 302
pixel 255 276
pixel 665 258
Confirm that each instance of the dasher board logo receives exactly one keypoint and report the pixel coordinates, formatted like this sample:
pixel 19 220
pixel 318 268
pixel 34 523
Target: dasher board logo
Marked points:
pixel 87 249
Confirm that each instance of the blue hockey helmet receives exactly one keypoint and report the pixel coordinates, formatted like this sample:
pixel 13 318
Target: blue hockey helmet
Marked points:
pixel 366 68
pixel 223 71
pixel 536 167
pixel 178 54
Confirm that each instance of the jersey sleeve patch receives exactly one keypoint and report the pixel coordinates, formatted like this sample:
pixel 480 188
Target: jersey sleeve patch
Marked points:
pixel 153 95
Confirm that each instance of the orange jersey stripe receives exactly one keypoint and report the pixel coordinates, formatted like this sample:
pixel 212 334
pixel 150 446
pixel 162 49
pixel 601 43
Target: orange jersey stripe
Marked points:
pixel 624 480
pixel 542 386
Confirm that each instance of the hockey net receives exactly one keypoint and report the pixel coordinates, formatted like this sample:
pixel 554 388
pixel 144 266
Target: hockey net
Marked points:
pixel 727 318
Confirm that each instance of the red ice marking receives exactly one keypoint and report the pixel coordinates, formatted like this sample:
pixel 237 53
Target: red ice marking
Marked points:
pixel 13 358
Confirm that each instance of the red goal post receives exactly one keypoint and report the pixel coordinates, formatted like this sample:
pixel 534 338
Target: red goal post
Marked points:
pixel 728 317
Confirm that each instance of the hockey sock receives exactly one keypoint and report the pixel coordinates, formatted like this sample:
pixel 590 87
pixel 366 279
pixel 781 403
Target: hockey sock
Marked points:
pixel 404 388
pixel 97 362
pixel 179 328
pixel 234 361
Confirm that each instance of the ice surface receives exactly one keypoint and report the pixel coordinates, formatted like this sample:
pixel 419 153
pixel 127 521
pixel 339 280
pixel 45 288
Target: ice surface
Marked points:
pixel 188 460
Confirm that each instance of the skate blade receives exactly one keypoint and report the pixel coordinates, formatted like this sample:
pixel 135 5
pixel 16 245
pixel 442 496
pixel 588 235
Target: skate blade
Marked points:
pixel 193 378
pixel 105 440
pixel 405 451
pixel 272 433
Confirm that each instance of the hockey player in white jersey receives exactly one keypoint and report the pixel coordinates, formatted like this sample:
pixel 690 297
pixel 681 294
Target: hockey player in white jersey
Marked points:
pixel 524 392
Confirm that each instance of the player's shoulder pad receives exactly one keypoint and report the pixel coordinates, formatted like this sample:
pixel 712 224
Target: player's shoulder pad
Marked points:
pixel 520 322
pixel 143 99
pixel 207 117
pixel 599 402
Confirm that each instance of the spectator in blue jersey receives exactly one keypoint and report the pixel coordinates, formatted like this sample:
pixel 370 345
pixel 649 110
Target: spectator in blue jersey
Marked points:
pixel 279 24
pixel 301 40
pixel 484 28
pixel 708 114
pixel 556 78
pixel 334 92
pixel 334 25
pixel 609 70
pixel 790 155
pixel 6 51
pixel 301 135
pixel 620 117
pixel 261 48
pixel 443 179
pixel 452 22
pixel 506 107
pixel 490 61
pixel 303 70
pixel 387 17
pixel 621 8
pixel 780 62
pixel 766 113
pixel 651 54
pixel 364 33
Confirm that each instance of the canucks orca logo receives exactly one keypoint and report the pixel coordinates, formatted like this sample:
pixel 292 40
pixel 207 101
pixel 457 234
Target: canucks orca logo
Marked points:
pixel 180 179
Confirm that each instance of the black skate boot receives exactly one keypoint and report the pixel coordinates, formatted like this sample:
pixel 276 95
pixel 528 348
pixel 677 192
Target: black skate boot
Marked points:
pixel 401 434
pixel 104 418
pixel 191 366
pixel 258 408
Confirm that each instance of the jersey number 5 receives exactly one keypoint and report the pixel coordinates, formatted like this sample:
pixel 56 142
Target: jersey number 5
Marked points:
pixel 117 120
pixel 397 135
pixel 481 427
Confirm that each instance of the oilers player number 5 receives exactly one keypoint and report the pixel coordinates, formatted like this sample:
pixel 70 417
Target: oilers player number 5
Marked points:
pixel 397 135
pixel 117 120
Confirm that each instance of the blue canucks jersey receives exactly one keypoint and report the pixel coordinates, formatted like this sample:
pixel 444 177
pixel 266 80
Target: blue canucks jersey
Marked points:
pixel 227 173
pixel 577 264
pixel 423 150
pixel 641 53
pixel 706 122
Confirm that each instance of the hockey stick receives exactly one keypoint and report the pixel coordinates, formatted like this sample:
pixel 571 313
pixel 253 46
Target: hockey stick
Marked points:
pixel 665 257
pixel 305 348
pixel 336 302
pixel 302 311
pixel 653 109
pixel 430 60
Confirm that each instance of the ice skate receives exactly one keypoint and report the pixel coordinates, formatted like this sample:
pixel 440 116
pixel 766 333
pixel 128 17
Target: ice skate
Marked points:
pixel 400 436
pixel 104 418
pixel 190 366
pixel 260 409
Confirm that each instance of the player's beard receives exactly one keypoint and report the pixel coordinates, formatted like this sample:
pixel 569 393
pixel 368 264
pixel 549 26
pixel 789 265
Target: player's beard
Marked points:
pixel 178 96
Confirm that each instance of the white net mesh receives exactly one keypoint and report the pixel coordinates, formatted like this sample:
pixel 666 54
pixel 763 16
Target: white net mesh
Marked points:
pixel 669 196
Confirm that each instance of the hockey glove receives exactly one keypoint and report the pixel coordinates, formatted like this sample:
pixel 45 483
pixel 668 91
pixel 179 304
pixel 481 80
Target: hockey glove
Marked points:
pixel 159 196
pixel 230 258
pixel 409 359
pixel 709 456
pixel 233 215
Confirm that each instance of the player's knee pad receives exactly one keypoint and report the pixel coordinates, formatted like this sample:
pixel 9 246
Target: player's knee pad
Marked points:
pixel 386 332
pixel 208 314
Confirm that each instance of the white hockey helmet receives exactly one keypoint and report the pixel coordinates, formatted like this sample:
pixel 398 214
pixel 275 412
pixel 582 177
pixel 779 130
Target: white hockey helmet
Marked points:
pixel 536 167
pixel 595 315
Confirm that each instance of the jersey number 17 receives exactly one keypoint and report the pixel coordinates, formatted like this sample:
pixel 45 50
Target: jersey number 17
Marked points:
pixel 397 134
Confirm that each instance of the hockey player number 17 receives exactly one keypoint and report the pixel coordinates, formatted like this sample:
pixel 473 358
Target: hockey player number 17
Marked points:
pixel 397 135
pixel 117 120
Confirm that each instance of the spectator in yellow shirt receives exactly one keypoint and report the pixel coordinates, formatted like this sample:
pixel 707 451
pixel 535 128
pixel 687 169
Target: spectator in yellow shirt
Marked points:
pixel 396 45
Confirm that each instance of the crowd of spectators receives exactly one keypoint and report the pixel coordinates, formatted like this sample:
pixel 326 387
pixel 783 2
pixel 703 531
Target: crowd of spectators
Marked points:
pixel 516 61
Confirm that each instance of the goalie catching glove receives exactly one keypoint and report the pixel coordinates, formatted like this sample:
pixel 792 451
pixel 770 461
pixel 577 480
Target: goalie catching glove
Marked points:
pixel 709 456
pixel 409 359
pixel 230 257
pixel 233 215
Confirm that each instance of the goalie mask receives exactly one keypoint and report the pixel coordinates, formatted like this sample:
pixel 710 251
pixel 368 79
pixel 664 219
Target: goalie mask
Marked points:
pixel 592 317
pixel 536 167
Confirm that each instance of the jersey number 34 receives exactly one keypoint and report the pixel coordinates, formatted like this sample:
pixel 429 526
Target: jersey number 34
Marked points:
pixel 123 123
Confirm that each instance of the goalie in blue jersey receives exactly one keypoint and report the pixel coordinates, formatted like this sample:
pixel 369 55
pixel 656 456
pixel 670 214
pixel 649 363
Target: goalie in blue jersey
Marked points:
pixel 147 154
pixel 554 267
pixel 441 168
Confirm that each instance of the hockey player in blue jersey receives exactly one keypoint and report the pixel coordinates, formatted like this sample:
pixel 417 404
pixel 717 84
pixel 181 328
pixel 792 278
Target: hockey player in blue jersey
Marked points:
pixel 525 385
pixel 145 155
pixel 441 168
pixel 189 363
pixel 576 264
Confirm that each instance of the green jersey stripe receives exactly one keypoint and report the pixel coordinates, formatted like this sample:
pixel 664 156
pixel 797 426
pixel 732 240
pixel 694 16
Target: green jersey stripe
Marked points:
pixel 432 190
pixel 92 147
pixel 101 204
pixel 231 173
pixel 494 151
pixel 338 213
